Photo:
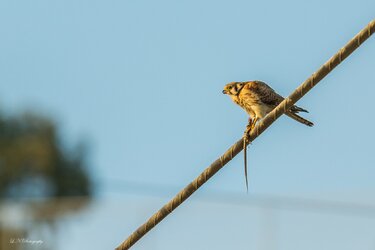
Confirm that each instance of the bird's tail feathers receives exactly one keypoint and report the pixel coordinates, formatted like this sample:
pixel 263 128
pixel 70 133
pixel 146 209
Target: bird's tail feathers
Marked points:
pixel 299 118
pixel 296 109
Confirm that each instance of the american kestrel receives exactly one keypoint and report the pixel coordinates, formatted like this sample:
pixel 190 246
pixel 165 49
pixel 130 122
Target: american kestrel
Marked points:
pixel 258 99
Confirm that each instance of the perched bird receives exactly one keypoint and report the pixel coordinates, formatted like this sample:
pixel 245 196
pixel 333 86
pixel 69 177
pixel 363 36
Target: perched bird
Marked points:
pixel 258 99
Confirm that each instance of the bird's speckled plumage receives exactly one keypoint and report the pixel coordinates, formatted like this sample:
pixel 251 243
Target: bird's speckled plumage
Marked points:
pixel 258 99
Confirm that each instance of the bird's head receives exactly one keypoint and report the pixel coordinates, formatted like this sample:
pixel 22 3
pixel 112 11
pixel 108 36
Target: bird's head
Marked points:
pixel 233 88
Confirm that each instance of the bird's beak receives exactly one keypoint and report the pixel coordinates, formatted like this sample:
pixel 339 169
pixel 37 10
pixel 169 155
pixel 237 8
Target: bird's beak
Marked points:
pixel 224 91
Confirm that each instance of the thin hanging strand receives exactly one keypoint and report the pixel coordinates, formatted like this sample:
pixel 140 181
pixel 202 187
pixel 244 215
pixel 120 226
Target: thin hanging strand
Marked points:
pixel 245 164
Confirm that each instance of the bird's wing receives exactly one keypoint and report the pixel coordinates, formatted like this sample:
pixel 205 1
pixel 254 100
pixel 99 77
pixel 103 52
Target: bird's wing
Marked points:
pixel 265 93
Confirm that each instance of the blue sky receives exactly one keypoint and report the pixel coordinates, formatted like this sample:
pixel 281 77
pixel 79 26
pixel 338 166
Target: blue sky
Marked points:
pixel 141 81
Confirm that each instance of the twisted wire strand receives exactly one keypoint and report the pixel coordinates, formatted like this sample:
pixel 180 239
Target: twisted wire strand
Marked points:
pixel 297 94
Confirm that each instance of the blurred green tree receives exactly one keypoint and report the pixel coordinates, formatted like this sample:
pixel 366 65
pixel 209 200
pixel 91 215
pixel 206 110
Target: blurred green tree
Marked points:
pixel 33 162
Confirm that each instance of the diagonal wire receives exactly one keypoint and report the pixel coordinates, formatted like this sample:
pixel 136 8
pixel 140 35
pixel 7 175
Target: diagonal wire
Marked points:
pixel 297 94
